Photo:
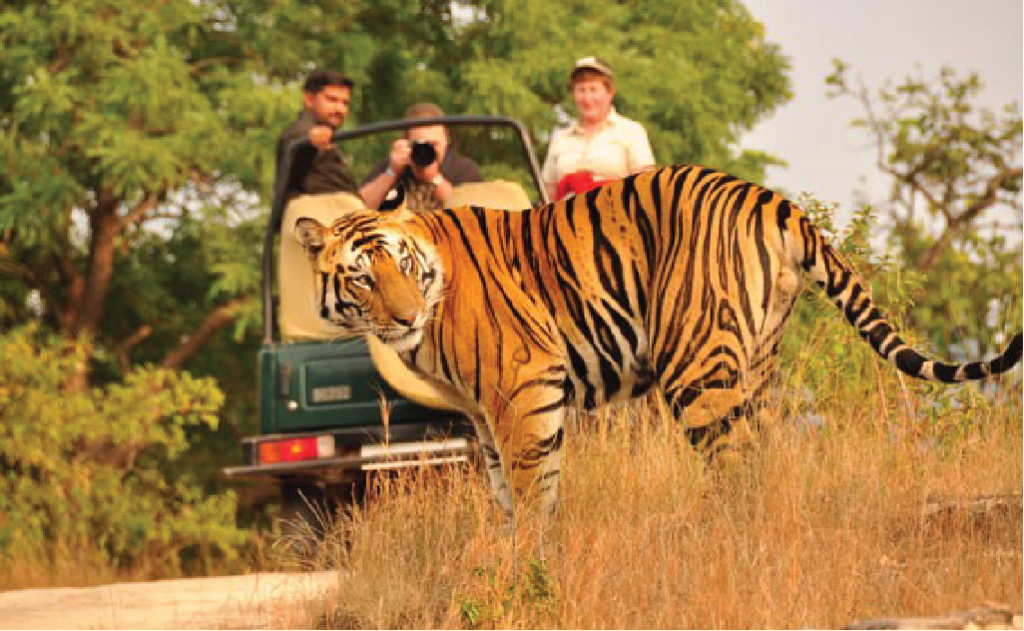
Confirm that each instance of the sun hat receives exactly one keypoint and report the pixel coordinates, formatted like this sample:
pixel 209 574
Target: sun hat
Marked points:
pixel 592 63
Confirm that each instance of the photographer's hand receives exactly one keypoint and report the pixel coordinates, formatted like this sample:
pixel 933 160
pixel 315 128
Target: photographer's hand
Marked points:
pixel 401 156
pixel 374 191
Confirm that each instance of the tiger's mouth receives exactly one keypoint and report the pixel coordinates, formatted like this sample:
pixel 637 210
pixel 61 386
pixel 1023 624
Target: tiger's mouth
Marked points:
pixel 402 341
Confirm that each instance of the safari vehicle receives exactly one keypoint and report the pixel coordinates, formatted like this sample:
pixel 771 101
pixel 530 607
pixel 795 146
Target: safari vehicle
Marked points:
pixel 332 410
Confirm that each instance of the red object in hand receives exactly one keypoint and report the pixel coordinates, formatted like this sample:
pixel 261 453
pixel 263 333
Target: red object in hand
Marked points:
pixel 576 183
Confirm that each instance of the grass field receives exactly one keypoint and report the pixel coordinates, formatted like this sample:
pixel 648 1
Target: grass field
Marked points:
pixel 857 515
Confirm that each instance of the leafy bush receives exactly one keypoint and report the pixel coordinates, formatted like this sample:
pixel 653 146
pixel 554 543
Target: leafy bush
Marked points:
pixel 821 353
pixel 91 471
pixel 954 203
pixel 824 358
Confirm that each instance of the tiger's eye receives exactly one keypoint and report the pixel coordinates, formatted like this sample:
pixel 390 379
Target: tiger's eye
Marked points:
pixel 365 281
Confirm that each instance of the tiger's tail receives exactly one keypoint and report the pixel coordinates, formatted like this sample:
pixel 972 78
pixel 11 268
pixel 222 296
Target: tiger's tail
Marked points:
pixel 848 291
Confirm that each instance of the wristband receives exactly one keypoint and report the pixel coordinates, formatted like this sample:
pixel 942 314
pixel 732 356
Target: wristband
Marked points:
pixel 390 172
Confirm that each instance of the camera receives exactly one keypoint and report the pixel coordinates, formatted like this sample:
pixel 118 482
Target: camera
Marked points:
pixel 423 153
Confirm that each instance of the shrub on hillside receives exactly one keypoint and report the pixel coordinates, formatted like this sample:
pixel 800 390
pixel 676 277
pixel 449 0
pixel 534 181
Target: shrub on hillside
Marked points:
pixel 91 472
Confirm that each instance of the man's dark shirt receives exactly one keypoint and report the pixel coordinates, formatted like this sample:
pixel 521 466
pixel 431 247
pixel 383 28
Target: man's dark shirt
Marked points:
pixel 314 170
pixel 455 168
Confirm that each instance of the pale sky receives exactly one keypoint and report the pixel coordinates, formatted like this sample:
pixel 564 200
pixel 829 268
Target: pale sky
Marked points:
pixel 879 40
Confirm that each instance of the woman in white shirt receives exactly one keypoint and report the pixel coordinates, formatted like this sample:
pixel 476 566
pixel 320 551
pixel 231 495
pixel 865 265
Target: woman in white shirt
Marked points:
pixel 602 145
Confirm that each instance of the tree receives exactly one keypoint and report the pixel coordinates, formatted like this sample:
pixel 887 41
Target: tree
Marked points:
pixel 696 73
pixel 954 203
pixel 121 124
pixel 138 139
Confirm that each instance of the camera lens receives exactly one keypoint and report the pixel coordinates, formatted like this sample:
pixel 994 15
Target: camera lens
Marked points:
pixel 423 153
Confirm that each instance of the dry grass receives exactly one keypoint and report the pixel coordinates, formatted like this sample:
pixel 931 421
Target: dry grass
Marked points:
pixel 67 568
pixel 817 528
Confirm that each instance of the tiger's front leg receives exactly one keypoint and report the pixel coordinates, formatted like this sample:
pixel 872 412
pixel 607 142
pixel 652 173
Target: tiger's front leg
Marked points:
pixel 528 428
pixel 493 466
pixel 537 461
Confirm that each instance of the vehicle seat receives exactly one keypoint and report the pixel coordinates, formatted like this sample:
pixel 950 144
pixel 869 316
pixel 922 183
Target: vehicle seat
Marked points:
pixel 496 194
pixel 299 320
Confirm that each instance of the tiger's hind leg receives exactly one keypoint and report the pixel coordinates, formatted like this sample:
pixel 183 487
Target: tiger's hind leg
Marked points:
pixel 715 386
pixel 718 409
pixel 726 436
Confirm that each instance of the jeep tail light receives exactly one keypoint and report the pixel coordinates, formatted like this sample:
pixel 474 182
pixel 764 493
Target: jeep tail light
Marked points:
pixel 297 449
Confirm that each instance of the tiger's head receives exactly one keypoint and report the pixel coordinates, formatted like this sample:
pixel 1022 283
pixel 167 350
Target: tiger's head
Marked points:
pixel 372 277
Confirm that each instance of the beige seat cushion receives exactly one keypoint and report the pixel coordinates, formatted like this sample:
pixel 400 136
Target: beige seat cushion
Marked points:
pixel 497 194
pixel 299 320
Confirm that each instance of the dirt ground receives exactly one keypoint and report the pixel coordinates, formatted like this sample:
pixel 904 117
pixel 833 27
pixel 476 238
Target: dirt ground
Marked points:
pixel 250 601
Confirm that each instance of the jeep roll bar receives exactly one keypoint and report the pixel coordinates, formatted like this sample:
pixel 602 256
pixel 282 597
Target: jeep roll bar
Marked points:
pixel 270 329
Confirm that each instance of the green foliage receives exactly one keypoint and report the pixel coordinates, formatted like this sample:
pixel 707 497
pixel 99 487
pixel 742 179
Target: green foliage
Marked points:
pixel 133 129
pixel 529 595
pixel 954 206
pixel 129 132
pixel 91 470
pixel 697 74
pixel 821 353
pixel 971 302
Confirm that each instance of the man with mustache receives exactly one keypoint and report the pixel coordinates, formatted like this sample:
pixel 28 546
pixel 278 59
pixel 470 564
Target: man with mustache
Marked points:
pixel 322 167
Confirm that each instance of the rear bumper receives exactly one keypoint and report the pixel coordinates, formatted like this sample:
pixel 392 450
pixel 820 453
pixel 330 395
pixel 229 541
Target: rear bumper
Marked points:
pixel 370 458
pixel 362 449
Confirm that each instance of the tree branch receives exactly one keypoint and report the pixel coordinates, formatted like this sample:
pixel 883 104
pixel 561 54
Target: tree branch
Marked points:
pixel 138 214
pixel 17 269
pixel 76 289
pixel 991 192
pixel 214 322
pixel 121 352
pixel 956 223
pixel 64 56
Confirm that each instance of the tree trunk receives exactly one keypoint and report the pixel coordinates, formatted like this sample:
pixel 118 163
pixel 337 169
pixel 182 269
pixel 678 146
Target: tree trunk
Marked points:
pixel 86 305
pixel 105 226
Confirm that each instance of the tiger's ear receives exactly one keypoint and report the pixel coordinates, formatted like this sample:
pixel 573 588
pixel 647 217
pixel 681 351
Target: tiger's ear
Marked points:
pixel 394 200
pixel 310 234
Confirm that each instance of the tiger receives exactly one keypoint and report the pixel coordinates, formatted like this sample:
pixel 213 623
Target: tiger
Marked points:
pixel 681 278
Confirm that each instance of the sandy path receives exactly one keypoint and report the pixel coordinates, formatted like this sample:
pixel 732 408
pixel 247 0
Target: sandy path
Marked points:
pixel 250 601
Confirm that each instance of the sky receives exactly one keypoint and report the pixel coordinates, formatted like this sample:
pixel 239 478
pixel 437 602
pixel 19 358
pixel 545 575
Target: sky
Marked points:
pixel 879 40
